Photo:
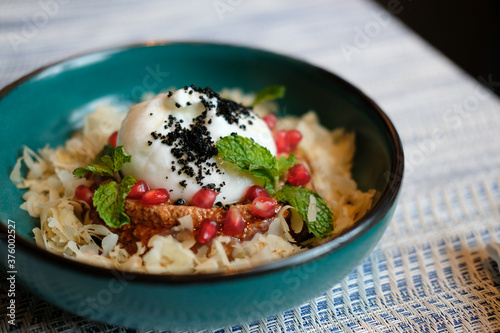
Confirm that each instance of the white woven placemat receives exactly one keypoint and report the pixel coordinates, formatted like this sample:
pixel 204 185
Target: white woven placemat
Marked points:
pixel 431 272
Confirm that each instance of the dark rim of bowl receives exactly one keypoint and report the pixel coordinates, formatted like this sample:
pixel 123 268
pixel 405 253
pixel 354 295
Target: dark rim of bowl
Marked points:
pixel 375 214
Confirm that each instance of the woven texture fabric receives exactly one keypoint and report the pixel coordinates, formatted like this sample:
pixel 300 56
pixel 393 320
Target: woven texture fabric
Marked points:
pixel 431 271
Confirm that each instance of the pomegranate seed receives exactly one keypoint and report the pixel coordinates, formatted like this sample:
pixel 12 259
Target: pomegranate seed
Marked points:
pixel 155 197
pixel 112 139
pixel 270 120
pixel 234 224
pixel 256 190
pixel 293 137
pixel 264 206
pixel 208 229
pixel 280 138
pixel 84 193
pixel 136 192
pixel 298 175
pixel 204 198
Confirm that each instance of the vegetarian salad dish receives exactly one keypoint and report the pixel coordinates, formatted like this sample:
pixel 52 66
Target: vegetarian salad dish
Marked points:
pixel 192 181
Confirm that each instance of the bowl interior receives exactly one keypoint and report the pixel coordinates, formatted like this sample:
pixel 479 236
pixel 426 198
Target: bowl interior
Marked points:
pixel 48 106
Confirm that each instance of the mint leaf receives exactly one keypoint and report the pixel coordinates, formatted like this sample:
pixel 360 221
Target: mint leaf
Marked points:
pixel 107 162
pixel 120 157
pixel 269 177
pixel 244 152
pixel 124 189
pixel 257 160
pixel 109 200
pixel 95 169
pixel 299 197
pixel 107 150
pixel 286 163
pixel 250 157
pixel 268 94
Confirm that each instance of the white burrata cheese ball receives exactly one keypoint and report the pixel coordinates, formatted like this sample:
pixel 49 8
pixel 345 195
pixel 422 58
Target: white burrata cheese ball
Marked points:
pixel 172 140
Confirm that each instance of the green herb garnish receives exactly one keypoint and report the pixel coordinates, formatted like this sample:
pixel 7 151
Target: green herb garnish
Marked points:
pixel 109 198
pixel 268 94
pixel 250 157
pixel 109 161
pixel 286 163
pixel 300 198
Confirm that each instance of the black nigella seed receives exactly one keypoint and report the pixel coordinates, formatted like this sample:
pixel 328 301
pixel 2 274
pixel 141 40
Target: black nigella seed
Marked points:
pixel 194 144
pixel 180 202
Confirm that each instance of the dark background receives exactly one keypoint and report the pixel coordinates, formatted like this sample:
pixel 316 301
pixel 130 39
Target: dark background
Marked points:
pixel 466 31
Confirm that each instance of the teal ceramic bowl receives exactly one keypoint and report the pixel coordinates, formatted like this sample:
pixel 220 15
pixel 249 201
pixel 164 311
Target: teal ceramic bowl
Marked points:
pixel 46 106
